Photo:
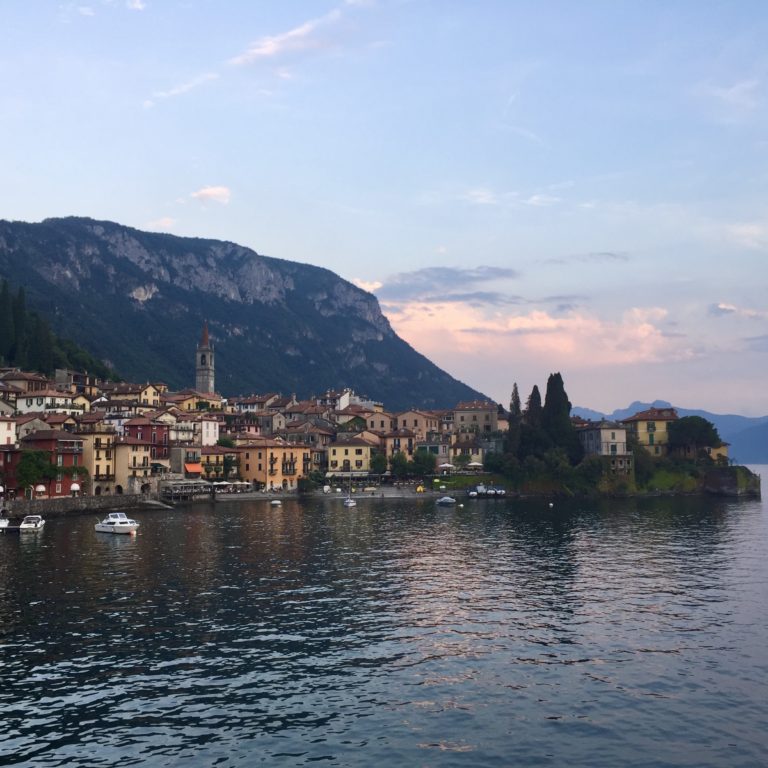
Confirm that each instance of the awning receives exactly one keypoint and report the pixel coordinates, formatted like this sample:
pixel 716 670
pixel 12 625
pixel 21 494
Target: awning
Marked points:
pixel 193 469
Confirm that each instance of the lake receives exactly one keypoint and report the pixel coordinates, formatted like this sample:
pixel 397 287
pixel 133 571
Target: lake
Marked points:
pixel 503 632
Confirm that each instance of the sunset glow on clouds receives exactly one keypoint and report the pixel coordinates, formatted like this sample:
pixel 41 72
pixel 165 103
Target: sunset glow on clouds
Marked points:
pixel 576 339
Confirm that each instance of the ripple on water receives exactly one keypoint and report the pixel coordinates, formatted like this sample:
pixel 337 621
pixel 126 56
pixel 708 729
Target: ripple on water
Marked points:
pixel 501 633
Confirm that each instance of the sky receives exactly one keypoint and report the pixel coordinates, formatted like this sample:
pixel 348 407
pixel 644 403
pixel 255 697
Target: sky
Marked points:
pixel 527 187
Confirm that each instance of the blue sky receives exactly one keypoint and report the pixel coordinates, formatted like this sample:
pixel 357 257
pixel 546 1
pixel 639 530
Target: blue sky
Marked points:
pixel 527 187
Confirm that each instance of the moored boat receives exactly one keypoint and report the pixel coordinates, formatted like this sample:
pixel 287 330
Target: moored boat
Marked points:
pixel 446 501
pixel 117 522
pixel 32 523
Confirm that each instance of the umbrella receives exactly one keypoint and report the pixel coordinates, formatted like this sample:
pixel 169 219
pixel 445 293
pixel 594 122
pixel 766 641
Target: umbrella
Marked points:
pixel 445 466
pixel 475 464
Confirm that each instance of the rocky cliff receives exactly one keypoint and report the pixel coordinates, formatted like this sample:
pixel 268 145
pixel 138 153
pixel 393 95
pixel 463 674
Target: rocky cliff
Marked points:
pixel 138 300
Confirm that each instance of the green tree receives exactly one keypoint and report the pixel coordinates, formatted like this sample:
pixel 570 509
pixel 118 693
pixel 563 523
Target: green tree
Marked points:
pixel 424 462
pixel 34 467
pixel 225 442
pixel 399 465
pixel 462 460
pixel 693 432
pixel 378 463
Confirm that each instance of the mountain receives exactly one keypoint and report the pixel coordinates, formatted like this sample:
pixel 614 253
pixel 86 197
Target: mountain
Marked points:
pixel 747 436
pixel 137 300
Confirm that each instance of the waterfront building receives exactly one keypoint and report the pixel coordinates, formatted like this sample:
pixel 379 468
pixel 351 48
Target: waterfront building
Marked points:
pixel 650 428
pixel 65 452
pixel 132 465
pixel 350 457
pixel 274 464
pixel 609 440
pixel 98 436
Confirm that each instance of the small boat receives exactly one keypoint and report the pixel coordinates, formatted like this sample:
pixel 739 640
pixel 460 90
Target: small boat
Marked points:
pixel 117 522
pixel 4 521
pixel 276 502
pixel 349 502
pixel 32 523
pixel 446 501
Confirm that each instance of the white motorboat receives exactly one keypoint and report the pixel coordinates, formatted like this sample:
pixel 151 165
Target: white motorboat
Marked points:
pixel 350 502
pixel 117 522
pixel 276 502
pixel 32 523
pixel 446 501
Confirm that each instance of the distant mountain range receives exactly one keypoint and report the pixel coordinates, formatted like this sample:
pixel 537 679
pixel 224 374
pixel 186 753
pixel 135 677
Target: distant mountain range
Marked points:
pixel 138 300
pixel 748 437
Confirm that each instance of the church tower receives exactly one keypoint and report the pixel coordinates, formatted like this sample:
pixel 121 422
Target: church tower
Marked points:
pixel 204 369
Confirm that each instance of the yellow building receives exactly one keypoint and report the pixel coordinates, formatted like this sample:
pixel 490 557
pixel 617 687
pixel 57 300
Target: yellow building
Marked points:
pixel 218 462
pixel 419 422
pixel 132 465
pixel 273 463
pixel 476 416
pixel 650 428
pixel 98 452
pixel 352 457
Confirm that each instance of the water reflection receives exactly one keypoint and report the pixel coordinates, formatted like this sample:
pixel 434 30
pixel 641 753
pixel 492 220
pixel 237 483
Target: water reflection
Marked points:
pixel 394 633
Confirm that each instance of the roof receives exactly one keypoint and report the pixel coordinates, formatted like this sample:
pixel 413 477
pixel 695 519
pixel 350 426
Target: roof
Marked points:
pixel 653 414
pixel 475 405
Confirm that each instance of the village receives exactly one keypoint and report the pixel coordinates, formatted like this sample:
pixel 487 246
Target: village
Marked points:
pixel 76 436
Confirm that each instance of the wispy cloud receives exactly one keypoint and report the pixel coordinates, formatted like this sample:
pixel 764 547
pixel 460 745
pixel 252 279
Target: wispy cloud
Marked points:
pixel 724 309
pixel 750 234
pixel 299 38
pixel 305 36
pixel 135 5
pixel 181 89
pixel 593 257
pixel 480 196
pixel 213 194
pixel 732 103
pixel 431 282
pixel 162 224
pixel 541 201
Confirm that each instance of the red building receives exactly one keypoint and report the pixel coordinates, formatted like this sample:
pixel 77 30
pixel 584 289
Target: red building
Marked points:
pixel 65 452
pixel 156 433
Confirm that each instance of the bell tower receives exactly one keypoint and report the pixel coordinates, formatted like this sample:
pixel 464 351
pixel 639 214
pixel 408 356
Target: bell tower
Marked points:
pixel 204 367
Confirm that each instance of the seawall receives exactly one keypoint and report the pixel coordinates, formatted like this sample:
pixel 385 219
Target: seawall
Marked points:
pixel 77 505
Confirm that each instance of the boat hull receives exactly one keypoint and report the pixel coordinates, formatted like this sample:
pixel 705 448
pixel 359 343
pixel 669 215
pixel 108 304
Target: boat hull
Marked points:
pixel 105 528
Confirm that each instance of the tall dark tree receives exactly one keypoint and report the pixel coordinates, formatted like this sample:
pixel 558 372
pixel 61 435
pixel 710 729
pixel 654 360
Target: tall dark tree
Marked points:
pixel 512 438
pixel 556 419
pixel 533 410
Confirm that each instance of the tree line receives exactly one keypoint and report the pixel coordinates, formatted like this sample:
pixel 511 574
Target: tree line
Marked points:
pixel 27 341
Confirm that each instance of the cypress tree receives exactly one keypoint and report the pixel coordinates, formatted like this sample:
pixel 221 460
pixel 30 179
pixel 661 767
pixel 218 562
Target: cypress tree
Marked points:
pixel 533 410
pixel 556 419
pixel 512 441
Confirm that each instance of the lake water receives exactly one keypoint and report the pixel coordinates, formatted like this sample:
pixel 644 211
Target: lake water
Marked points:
pixel 620 633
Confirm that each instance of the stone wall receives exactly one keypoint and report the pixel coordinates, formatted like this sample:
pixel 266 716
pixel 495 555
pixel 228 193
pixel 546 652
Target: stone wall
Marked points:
pixel 70 505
